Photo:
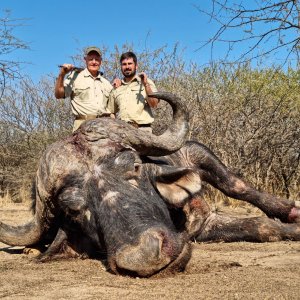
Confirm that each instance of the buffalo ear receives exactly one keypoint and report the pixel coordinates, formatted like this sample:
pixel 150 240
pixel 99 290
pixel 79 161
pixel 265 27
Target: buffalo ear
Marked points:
pixel 177 185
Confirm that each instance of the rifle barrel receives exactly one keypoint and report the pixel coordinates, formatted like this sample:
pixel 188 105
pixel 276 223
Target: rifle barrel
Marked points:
pixel 74 68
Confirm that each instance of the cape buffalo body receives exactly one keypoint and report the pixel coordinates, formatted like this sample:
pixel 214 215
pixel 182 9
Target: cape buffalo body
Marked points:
pixel 134 198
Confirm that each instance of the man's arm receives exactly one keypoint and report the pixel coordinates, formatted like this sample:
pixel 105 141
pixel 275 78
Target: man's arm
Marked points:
pixel 59 84
pixel 149 90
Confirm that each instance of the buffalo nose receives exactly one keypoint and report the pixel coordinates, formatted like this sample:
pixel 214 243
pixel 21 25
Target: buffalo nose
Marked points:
pixel 149 255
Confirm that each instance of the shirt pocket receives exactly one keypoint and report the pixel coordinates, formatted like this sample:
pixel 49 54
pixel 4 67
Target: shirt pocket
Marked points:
pixel 139 93
pixel 82 93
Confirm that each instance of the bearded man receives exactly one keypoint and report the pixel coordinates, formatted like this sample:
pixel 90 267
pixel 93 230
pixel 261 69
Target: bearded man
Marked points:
pixel 130 102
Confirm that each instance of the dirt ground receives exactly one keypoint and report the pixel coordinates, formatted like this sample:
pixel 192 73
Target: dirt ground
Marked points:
pixel 216 271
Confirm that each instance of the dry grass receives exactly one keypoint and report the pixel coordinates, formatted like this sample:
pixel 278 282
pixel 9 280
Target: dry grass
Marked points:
pixel 6 199
pixel 24 196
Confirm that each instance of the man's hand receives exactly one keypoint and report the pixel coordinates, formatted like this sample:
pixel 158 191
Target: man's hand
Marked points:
pixel 116 83
pixel 144 78
pixel 65 69
pixel 151 101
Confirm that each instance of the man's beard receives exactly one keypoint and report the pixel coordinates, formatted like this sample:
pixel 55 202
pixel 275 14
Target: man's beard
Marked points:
pixel 127 74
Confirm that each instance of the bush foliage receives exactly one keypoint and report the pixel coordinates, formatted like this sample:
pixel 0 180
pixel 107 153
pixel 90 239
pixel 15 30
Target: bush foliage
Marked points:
pixel 249 117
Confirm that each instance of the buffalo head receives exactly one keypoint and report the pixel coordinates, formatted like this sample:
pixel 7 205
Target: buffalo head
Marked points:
pixel 94 193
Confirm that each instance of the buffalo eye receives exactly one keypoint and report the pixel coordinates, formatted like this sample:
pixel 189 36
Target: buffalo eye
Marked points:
pixel 137 167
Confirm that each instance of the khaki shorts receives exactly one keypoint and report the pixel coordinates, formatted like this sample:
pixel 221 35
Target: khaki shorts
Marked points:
pixel 77 123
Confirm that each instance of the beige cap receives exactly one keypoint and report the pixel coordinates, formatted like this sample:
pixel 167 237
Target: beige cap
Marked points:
pixel 92 48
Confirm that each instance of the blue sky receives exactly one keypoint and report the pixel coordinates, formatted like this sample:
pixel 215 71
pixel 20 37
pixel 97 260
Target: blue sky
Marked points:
pixel 58 29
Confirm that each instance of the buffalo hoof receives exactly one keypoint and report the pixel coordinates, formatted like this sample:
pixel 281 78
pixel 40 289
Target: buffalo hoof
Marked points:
pixel 32 252
pixel 294 215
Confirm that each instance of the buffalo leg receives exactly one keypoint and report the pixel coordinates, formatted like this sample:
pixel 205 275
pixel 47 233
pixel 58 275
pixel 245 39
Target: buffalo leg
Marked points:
pixel 197 211
pixel 55 247
pixel 213 171
pixel 60 248
pixel 255 229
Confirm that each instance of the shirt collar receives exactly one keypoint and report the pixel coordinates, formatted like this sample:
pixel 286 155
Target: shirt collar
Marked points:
pixel 86 73
pixel 135 78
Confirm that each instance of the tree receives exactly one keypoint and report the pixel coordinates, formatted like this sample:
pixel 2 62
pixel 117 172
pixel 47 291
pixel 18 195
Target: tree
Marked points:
pixel 266 27
pixel 9 69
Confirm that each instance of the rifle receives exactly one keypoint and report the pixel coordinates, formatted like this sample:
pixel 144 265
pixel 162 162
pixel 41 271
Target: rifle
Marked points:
pixel 74 68
pixel 78 69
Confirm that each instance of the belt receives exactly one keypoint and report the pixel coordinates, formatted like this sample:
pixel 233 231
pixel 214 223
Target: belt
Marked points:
pixel 91 117
pixel 136 125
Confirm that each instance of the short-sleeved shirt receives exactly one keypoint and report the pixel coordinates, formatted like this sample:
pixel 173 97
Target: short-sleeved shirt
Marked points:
pixel 89 95
pixel 129 102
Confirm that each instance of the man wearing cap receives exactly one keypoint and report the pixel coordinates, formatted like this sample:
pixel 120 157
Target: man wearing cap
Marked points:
pixel 87 89
pixel 130 101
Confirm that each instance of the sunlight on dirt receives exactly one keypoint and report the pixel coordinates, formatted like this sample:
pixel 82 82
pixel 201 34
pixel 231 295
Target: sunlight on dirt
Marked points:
pixel 216 271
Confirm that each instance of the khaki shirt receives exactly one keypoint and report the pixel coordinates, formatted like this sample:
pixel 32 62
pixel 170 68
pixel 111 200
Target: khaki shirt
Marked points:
pixel 89 95
pixel 129 102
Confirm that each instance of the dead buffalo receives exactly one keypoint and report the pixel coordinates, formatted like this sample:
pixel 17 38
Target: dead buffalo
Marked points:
pixel 112 190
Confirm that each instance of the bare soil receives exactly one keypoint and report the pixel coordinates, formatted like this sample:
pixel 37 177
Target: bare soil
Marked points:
pixel 216 271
